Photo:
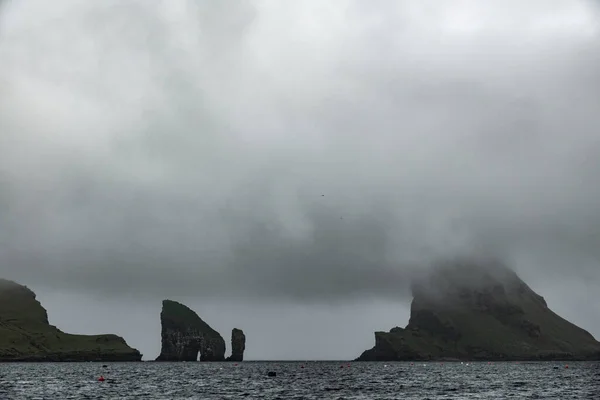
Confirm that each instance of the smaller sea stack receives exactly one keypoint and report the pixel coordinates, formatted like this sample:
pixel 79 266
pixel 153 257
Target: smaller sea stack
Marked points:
pixel 238 345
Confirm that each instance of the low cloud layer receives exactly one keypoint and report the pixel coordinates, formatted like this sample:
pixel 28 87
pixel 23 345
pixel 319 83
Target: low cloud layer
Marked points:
pixel 310 152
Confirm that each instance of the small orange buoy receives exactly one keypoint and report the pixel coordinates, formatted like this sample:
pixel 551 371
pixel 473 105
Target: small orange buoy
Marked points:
pixel 101 379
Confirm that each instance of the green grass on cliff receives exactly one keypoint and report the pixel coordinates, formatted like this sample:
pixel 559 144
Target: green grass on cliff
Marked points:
pixel 26 334
pixel 19 342
pixel 485 337
pixel 489 318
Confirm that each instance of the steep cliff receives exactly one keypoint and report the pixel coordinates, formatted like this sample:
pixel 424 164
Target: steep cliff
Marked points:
pixel 26 335
pixel 184 335
pixel 472 312
pixel 238 345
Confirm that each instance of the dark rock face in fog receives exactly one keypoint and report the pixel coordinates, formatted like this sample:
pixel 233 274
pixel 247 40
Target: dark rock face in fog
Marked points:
pixel 471 312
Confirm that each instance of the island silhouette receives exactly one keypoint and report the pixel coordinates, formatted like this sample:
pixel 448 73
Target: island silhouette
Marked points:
pixel 460 311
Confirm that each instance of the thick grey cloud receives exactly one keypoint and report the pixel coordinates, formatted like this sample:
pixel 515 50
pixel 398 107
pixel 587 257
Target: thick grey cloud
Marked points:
pixel 304 153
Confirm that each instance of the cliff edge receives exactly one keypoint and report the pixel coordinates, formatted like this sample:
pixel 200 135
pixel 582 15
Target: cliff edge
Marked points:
pixel 470 312
pixel 26 334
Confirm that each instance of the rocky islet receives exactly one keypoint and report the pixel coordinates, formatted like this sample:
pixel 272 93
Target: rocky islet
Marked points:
pixel 469 311
pixel 184 336
pixel 238 345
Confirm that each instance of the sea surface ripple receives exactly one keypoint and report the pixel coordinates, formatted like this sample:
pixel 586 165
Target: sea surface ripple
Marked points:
pixel 299 380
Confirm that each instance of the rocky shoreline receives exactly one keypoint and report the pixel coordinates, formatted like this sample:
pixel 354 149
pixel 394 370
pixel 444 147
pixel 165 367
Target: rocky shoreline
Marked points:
pixel 76 357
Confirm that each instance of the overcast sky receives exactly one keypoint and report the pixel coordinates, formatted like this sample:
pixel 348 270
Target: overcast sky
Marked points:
pixel 285 167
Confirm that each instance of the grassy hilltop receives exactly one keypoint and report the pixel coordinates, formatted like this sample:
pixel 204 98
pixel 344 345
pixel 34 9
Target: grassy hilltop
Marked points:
pixel 26 335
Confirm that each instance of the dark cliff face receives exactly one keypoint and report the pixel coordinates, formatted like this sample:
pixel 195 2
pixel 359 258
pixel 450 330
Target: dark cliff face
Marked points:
pixel 470 312
pixel 26 335
pixel 238 345
pixel 184 335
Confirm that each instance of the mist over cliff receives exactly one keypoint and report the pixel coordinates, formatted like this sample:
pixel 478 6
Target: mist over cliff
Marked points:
pixel 312 154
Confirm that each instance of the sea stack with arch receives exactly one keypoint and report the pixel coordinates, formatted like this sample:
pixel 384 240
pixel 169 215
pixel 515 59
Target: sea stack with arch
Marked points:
pixel 184 336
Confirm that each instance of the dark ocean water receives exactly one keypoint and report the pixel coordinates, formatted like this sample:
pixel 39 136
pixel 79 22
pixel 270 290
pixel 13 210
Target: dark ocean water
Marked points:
pixel 317 380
